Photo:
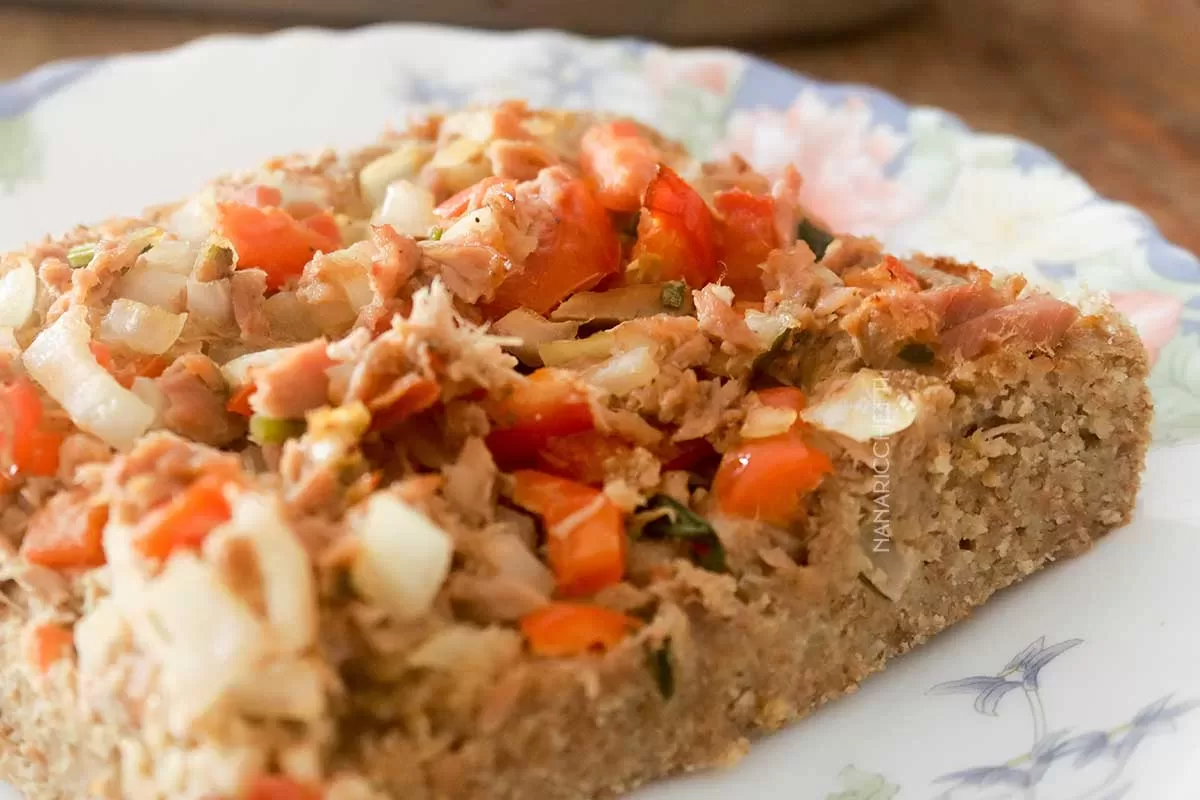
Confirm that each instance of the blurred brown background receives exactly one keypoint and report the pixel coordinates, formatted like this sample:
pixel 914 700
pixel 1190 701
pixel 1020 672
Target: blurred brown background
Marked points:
pixel 1111 86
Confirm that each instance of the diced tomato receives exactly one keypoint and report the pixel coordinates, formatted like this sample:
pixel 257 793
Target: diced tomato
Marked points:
pixel 585 534
pixel 66 533
pixel 576 253
pixel 561 630
pixel 30 450
pixel 274 241
pixel 469 198
pixel 685 455
pixel 581 456
pixel 152 367
pixel 746 235
pixel 239 401
pixel 258 196
pixel 767 479
pixel 185 521
pixel 277 787
pixel 783 397
pixel 545 406
pixel 418 394
pixel 620 161
pixel 676 233
pixel 49 643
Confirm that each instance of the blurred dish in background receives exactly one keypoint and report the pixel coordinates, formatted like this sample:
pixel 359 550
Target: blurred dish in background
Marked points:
pixel 669 20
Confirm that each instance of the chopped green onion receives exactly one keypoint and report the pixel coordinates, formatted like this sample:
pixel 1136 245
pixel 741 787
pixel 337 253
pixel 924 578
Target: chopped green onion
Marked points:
pixel 658 659
pixel 674 293
pixel 916 353
pixel 272 430
pixel 679 522
pixel 436 234
pixel 81 255
pixel 818 240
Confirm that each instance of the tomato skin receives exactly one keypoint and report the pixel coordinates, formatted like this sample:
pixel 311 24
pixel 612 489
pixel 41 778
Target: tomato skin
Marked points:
pixel 620 162
pixel 676 233
pixel 544 407
pixel 30 450
pixel 585 532
pixel 768 479
pixel 66 533
pixel 562 630
pixel 274 241
pixel 47 644
pixel 185 521
pixel 581 456
pixel 746 236
pixel 578 251
pixel 783 397
pixel 471 197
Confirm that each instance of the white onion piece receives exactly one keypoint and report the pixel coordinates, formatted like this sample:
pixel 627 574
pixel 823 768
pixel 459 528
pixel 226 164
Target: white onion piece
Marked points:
pixel 285 574
pixel 141 328
pixel 533 330
pixel 59 359
pixel 357 286
pixel 595 347
pixel 237 371
pixel 768 327
pixel 18 294
pixel 624 372
pixel 408 208
pixel 765 421
pixel 169 255
pixel 865 407
pixel 466 648
pixel 153 287
pixel 195 219
pixel 149 392
pixel 294 188
pixel 403 558
pixel 211 301
pixel 8 340
pixel 209 640
pixel 99 637
pixel 403 164
pixel 291 689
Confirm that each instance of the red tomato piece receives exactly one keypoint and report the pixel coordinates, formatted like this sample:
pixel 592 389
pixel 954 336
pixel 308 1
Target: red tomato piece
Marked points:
pixel 767 479
pixel 620 161
pixel 545 406
pixel 581 456
pixel 676 233
pixel 185 521
pixel 274 241
pixel 49 643
pixel 561 630
pixel 277 787
pixel 746 236
pixel 66 533
pixel 577 252
pixel 30 449
pixel 585 533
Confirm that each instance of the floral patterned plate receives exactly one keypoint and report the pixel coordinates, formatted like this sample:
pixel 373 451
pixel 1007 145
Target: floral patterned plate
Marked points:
pixel 1079 684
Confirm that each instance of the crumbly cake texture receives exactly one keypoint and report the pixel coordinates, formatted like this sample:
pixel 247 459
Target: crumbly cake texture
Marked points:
pixel 961 432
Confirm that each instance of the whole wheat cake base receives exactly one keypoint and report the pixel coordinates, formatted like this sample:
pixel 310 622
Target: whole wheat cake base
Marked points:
pixel 1013 455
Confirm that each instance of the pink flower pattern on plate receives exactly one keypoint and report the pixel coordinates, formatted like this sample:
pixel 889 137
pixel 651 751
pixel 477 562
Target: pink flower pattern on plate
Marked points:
pixel 840 153
pixel 1155 315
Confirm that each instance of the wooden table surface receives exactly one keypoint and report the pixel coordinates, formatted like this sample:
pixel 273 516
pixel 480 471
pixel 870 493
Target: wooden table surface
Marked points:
pixel 1111 86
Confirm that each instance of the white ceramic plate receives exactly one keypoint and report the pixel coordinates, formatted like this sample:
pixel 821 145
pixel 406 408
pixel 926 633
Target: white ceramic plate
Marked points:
pixel 1082 682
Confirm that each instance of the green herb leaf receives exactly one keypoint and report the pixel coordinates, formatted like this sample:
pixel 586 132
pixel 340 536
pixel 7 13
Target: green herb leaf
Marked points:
pixel 436 233
pixel 916 353
pixel 81 255
pixel 658 659
pixel 271 430
pixel 818 240
pixel 674 293
pixel 680 522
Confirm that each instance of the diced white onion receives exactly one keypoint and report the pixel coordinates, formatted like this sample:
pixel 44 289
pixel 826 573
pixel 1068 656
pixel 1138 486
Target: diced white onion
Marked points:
pixel 286 689
pixel 286 581
pixel 99 636
pixel 403 558
pixel 768 327
pixel 624 372
pixel 594 348
pixel 141 328
pixel 59 359
pixel 533 330
pixel 620 304
pixel 511 558
pixel 408 208
pixel 237 371
pixel 466 648
pixel 18 294
pixel 8 340
pixel 175 256
pixel 149 392
pixel 195 219
pixel 208 639
pixel 865 407
pixel 211 301
pixel 403 164
pixel 153 287
pixel 460 164
pixel 765 421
